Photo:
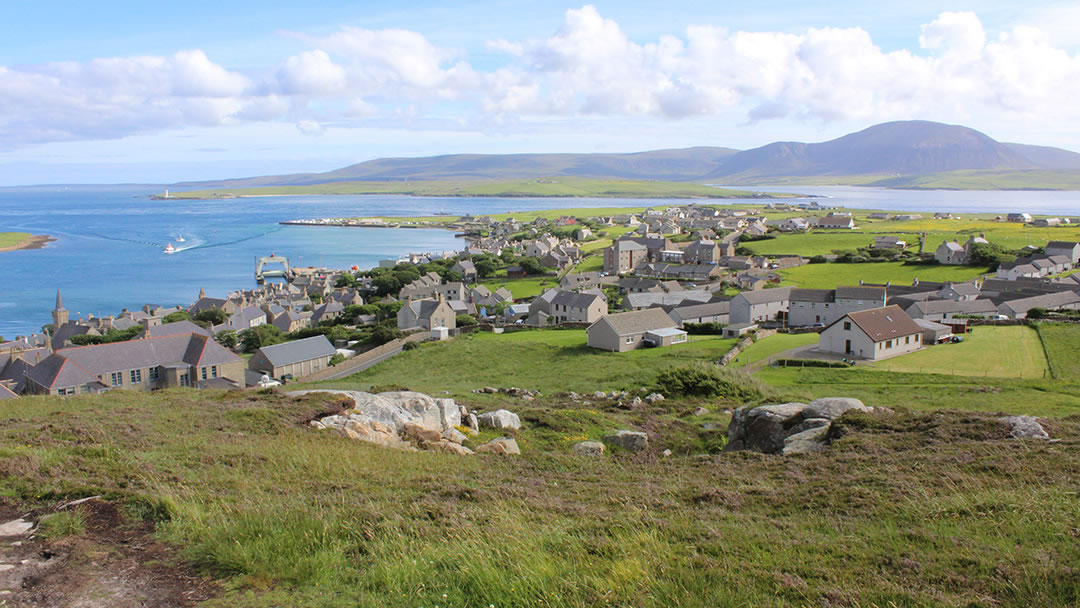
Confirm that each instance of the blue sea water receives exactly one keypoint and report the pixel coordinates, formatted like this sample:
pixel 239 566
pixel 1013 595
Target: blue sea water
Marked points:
pixel 108 253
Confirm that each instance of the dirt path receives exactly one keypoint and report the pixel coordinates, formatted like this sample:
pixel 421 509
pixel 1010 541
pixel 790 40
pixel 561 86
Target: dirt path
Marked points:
pixel 113 563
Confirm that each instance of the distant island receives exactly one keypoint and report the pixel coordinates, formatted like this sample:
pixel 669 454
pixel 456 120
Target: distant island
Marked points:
pixel 901 155
pixel 554 187
pixel 13 241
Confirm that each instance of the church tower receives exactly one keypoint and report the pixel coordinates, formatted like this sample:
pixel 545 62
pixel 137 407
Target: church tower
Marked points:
pixel 59 314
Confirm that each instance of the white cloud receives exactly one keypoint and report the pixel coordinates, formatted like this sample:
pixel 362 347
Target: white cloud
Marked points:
pixel 588 67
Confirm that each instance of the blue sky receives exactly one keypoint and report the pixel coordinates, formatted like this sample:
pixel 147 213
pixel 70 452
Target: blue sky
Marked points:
pixel 128 91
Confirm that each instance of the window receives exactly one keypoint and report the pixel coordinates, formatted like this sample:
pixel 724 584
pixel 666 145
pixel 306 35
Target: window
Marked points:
pixel 66 391
pixel 185 379
pixel 117 378
pixel 907 340
pixel 213 371
pixel 629 339
pixel 847 325
pixel 888 344
pixel 136 376
pixel 204 373
pixel 155 374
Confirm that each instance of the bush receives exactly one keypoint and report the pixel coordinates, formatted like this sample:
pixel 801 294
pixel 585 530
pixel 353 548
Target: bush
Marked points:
pixel 465 320
pixel 710 380
pixel 383 334
pixel 337 358
pixel 704 329
pixel 809 363
pixel 819 259
pixel 174 317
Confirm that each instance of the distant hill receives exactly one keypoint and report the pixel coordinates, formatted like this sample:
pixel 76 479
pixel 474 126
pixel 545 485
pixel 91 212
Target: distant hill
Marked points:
pixel 686 164
pixel 892 149
pixel 894 154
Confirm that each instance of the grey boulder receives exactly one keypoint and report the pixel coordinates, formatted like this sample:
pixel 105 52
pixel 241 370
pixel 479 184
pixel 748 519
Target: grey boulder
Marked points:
pixel 1025 427
pixel 500 419
pixel 589 448
pixel 633 441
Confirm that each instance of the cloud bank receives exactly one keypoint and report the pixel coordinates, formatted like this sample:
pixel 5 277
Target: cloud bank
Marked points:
pixel 588 67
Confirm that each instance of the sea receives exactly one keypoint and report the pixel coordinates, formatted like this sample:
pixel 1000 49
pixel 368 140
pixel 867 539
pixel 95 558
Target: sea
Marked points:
pixel 109 240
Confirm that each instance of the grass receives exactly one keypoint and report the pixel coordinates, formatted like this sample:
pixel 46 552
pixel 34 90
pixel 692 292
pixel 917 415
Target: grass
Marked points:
pixel 529 287
pixel 62 524
pixel 934 509
pixel 1061 343
pixel 927 391
pixel 545 187
pixel 550 360
pixel 12 239
pixel 771 346
pixel 828 276
pixel 1003 352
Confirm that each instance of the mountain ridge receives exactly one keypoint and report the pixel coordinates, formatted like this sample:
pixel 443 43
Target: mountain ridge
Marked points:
pixel 900 150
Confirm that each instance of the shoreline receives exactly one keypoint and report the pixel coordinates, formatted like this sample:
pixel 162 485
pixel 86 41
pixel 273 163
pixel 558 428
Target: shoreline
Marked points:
pixel 34 241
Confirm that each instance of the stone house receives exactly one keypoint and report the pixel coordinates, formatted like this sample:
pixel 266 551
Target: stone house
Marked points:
pixel 627 331
pixel 292 360
pixel 427 314
pixel 874 334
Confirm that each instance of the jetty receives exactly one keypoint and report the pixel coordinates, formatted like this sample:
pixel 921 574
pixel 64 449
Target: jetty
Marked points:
pixel 262 273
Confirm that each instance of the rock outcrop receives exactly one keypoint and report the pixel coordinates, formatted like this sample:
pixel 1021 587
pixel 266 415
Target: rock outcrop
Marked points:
pixel 589 448
pixel 632 441
pixel 407 420
pixel 788 428
pixel 500 419
pixel 1025 427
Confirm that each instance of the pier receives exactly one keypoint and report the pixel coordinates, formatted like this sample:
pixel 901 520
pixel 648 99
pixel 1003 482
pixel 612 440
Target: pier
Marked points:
pixel 262 273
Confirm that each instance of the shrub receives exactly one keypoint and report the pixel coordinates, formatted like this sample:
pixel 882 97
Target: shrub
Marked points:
pixel 710 380
pixel 465 320
pixel 819 259
pixel 704 329
pixel 337 358
pixel 809 363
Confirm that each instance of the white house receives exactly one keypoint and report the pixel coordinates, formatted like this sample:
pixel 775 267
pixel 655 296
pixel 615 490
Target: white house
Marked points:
pixel 874 334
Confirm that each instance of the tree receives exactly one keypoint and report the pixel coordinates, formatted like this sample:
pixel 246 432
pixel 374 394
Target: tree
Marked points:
pixel 485 266
pixel 227 339
pixel 507 255
pixel 990 255
pixel 383 334
pixel 465 320
pixel 214 316
pixel 336 358
pixel 174 317
pixel 531 266
pixel 259 336
pixel 345 280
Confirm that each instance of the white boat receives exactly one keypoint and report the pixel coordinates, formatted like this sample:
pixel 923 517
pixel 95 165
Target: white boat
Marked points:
pixel 169 248
pixel 180 239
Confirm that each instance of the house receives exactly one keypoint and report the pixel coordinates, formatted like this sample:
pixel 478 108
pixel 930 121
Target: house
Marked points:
pixel 878 216
pixel 1018 309
pixel 624 256
pixel 945 310
pixel 1022 218
pixel 1068 249
pixel 326 312
pixel 638 301
pixel 515 272
pixel 427 314
pixel 466 269
pixel 292 360
pixel 144 364
pixel 245 318
pixel 823 306
pixel 888 242
pixel 960 292
pixel 583 280
pixel 710 312
pixel 875 334
pixel 632 330
pixel 557 306
pixel 290 320
pixel 1049 222
pixel 836 221
pixel 951 253
pixel 176 328
pixel 762 305
pixel 702 251
pixel 933 333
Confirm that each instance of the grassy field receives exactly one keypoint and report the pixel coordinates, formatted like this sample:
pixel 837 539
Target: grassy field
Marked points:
pixel 1061 342
pixel 12 239
pixel 547 187
pixel 827 276
pixel 546 360
pixel 1002 352
pixel 523 288
pixel 769 347
pixel 930 509
pixel 926 391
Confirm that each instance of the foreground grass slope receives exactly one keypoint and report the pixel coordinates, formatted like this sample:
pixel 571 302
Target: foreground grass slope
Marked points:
pixel 936 509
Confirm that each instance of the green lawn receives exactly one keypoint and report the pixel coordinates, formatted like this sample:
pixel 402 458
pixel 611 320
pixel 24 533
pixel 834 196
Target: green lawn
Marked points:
pixel 827 276
pixel 11 239
pixel 927 391
pixel 768 347
pixel 529 287
pixel 1001 352
pixel 550 360
pixel 1061 343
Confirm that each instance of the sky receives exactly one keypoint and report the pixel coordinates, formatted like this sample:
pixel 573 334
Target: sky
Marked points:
pixel 140 92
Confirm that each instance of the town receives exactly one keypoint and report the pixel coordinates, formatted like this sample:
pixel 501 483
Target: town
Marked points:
pixel 631 280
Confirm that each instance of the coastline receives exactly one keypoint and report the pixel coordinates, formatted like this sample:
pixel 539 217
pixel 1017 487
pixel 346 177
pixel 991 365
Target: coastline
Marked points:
pixel 34 241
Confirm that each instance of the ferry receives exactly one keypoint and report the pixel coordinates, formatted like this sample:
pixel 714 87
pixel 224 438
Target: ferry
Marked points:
pixel 169 248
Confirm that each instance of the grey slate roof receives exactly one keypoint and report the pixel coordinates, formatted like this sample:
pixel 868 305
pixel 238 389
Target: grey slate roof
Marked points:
pixel 191 349
pixel 638 321
pixel 860 293
pixel 695 311
pixel 762 296
pixel 300 350
pixel 799 294
pixel 177 328
pixel 574 299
